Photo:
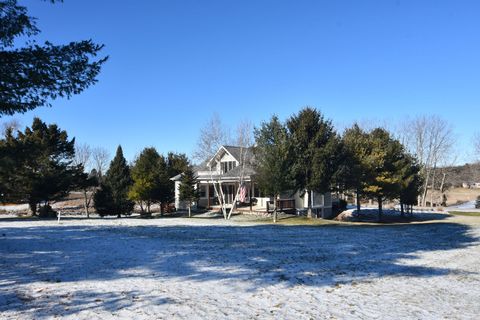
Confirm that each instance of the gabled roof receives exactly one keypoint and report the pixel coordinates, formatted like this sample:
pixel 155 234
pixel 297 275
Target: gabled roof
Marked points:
pixel 235 152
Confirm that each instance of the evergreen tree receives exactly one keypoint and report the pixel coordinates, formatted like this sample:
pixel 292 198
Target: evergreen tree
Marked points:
pixel 383 164
pixel 118 182
pixel 315 147
pixel 410 183
pixel 177 163
pixel 151 183
pixel 37 165
pixel 32 75
pixel 272 160
pixel 357 147
pixel 187 189
pixel 103 201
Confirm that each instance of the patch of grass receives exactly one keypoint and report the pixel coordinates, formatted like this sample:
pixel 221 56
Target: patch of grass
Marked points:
pixel 303 221
pixel 465 214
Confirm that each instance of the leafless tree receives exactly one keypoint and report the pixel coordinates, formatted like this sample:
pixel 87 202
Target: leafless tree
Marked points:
pixel 476 144
pixel 430 139
pixel 100 157
pixel 83 156
pixel 12 124
pixel 212 136
pixel 245 142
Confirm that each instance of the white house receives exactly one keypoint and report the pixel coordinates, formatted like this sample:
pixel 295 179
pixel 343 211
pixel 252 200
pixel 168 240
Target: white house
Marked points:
pixel 233 165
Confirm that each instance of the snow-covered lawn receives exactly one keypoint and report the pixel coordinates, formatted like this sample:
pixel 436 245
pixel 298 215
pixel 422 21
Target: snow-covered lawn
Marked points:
pixel 212 269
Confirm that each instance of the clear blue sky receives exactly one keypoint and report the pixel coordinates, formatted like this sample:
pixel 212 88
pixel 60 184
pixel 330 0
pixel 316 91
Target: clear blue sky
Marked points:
pixel 173 63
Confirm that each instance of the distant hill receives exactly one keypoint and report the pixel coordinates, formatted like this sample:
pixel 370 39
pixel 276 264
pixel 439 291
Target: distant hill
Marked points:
pixel 466 174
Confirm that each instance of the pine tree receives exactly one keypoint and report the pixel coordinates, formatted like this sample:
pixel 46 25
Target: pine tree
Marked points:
pixel 272 160
pixel 103 201
pixel 33 74
pixel 315 147
pixel 187 189
pixel 177 163
pixel 383 164
pixel 118 182
pixel 37 165
pixel 410 183
pixel 151 183
pixel 357 147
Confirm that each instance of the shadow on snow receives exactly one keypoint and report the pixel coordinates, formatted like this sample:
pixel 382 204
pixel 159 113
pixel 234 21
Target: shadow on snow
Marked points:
pixel 257 255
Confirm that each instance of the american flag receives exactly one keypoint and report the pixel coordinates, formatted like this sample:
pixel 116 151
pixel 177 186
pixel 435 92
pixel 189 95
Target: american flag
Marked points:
pixel 243 193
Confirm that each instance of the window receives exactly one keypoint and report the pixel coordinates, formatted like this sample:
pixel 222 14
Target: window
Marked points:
pixel 203 191
pixel 228 166
pixel 256 191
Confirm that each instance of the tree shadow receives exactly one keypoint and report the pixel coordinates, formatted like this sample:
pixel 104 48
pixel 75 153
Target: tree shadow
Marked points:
pixel 257 255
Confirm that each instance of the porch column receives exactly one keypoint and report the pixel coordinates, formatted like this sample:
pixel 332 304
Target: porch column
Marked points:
pixel 208 195
pixel 251 195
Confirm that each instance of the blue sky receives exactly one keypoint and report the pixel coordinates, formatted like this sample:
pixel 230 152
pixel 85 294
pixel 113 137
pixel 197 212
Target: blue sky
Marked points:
pixel 173 63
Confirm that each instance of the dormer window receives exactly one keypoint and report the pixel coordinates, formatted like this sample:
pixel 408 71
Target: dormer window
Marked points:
pixel 228 166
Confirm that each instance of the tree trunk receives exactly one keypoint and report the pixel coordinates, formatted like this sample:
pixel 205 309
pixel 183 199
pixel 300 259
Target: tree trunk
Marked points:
pixel 222 202
pixel 442 191
pixel 189 210
pixel 33 208
pixel 433 188
pixel 219 194
pixel 162 209
pixel 275 209
pixel 425 189
pixel 309 205
pixel 402 210
pixel 86 203
pixel 380 208
pixel 359 207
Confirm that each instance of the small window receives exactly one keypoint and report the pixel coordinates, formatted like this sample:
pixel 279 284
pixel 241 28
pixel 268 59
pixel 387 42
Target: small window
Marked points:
pixel 203 191
pixel 256 191
pixel 228 166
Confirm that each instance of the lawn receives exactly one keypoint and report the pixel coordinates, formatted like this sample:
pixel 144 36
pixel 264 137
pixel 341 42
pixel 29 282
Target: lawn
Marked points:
pixel 211 269
pixel 465 214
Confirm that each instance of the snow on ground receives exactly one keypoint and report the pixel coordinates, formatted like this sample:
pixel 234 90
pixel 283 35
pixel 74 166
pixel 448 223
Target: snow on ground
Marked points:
pixel 467 206
pixel 389 215
pixel 211 269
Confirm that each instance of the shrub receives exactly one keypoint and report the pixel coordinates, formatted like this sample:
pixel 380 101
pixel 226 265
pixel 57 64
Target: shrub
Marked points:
pixel 338 207
pixel 47 212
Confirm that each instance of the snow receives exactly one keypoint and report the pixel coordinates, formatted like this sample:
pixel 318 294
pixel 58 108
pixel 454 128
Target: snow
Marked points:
pixel 176 268
pixel 467 206
pixel 371 215
pixel 14 208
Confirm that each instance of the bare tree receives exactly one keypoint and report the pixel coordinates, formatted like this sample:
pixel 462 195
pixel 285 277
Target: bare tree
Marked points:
pixel 83 156
pixel 430 139
pixel 476 144
pixel 212 136
pixel 245 142
pixel 100 157
pixel 12 124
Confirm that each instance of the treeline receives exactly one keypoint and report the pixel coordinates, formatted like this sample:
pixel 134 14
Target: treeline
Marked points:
pixel 41 164
pixel 306 154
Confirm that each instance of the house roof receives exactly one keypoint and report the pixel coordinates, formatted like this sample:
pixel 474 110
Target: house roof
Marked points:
pixel 235 152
